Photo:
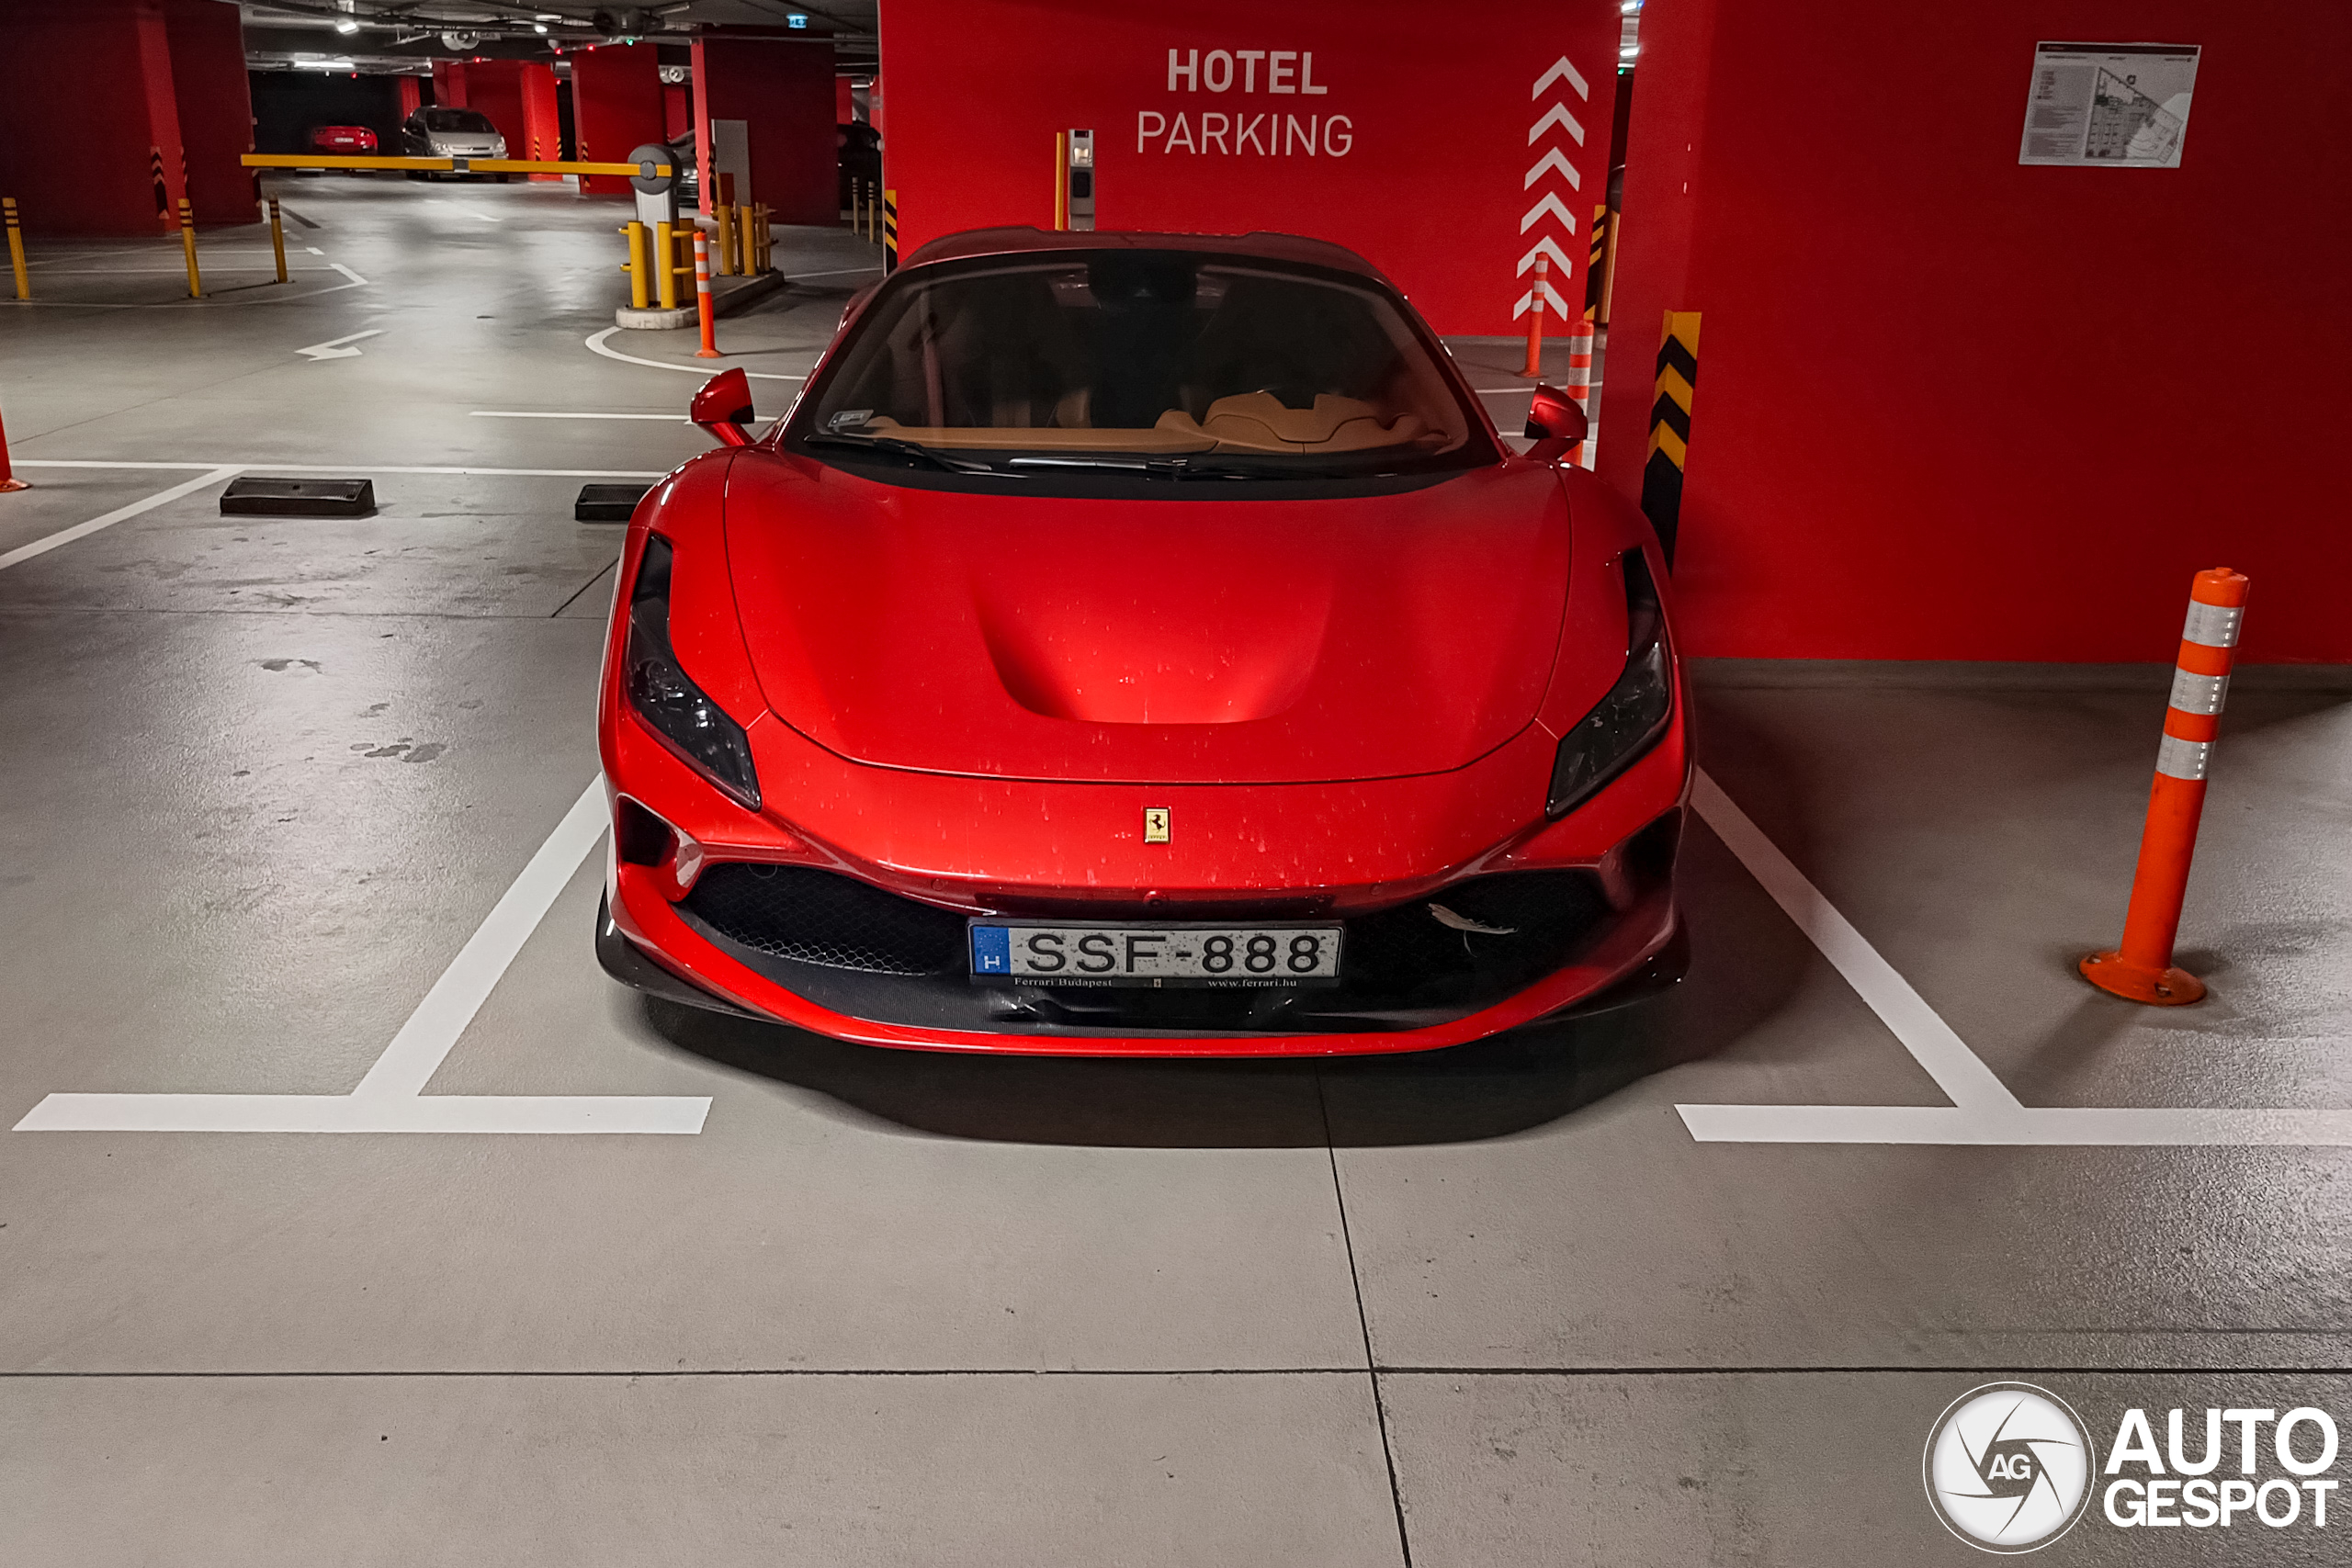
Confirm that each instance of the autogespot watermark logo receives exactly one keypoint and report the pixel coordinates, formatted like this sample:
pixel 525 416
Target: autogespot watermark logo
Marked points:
pixel 2008 1467
pixel 2011 1467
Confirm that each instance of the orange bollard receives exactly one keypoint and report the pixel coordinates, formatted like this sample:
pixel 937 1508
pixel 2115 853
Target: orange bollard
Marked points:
pixel 8 480
pixel 1579 387
pixel 1535 317
pixel 709 349
pixel 2142 969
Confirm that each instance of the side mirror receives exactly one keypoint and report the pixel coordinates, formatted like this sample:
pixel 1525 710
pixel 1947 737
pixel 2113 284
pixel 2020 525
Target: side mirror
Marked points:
pixel 723 407
pixel 1556 421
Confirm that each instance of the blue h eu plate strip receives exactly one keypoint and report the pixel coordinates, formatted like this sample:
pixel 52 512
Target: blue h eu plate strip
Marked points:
pixel 991 950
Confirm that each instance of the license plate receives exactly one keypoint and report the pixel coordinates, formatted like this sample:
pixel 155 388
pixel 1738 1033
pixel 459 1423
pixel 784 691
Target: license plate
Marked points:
pixel 1059 953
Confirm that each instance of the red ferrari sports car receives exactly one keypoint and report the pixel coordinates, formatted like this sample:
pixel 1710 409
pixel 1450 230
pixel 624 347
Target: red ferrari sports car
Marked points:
pixel 342 139
pixel 1139 644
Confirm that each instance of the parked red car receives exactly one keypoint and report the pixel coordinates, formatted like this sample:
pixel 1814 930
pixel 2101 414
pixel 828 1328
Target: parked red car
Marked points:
pixel 355 139
pixel 1140 644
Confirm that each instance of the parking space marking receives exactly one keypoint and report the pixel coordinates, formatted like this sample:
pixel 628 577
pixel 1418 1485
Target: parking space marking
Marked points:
pixel 390 1098
pixel 1983 1111
pixel 596 344
pixel 1958 1071
pixel 349 467
pixel 572 413
pixel 214 476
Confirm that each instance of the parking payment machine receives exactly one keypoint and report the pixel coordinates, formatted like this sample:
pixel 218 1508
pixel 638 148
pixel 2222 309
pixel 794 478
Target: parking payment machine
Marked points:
pixel 1078 179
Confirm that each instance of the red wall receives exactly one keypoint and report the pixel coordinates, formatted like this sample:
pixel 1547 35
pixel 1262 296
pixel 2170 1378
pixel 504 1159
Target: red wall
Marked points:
pixel 615 108
pixel 784 90
pixel 677 109
pixel 1953 408
pixel 1428 178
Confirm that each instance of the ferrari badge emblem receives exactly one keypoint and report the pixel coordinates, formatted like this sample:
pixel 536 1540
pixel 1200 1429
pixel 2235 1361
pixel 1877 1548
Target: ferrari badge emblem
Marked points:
pixel 1154 824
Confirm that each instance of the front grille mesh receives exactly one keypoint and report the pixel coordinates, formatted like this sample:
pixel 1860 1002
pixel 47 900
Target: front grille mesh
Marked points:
pixel 816 917
pixel 1405 955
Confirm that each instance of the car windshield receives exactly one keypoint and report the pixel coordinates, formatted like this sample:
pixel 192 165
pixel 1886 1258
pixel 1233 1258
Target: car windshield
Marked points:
pixel 470 121
pixel 1233 362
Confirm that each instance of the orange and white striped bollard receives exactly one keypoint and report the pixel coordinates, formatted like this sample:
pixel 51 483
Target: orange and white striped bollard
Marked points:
pixel 2142 969
pixel 709 349
pixel 8 480
pixel 1535 317
pixel 1580 386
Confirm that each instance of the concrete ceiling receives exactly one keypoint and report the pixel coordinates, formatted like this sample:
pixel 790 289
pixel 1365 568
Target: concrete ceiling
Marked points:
pixel 391 35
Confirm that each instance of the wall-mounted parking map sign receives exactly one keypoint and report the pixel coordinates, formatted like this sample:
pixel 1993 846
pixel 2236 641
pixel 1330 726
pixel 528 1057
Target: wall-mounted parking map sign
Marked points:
pixel 2109 106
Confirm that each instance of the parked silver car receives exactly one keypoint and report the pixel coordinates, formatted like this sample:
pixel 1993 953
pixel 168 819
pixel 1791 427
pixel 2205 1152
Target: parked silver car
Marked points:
pixel 443 132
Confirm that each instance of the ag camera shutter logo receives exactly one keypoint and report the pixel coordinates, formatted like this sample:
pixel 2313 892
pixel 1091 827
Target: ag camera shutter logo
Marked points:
pixel 2008 1468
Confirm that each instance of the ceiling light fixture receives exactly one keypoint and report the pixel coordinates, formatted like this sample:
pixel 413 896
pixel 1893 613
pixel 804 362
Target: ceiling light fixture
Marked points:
pixel 347 26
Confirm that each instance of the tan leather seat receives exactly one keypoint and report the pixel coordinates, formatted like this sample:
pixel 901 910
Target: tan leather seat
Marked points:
pixel 1260 422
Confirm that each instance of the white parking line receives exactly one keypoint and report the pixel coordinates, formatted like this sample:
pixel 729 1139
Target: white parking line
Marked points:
pixel 1983 1111
pixel 1958 1071
pixel 390 1098
pixel 267 466
pixel 596 344
pixel 83 530
pixel 572 413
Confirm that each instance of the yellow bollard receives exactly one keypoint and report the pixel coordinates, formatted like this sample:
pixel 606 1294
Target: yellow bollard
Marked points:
pixel 17 248
pixel 724 214
pixel 637 267
pixel 665 271
pixel 277 238
pixel 188 245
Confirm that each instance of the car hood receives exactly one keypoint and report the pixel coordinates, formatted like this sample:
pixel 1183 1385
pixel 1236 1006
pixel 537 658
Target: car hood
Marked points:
pixel 1178 641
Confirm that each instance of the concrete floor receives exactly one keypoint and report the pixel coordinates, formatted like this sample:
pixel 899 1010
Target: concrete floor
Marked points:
pixel 1495 1307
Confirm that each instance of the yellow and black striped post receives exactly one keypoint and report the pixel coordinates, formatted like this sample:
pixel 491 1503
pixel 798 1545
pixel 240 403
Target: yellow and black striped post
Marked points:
pixel 1592 267
pixel 889 230
pixel 187 247
pixel 1677 379
pixel 17 248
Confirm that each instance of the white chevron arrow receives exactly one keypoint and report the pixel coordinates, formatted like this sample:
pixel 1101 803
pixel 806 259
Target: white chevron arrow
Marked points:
pixel 328 350
pixel 1559 116
pixel 1552 302
pixel 1551 204
pixel 1545 247
pixel 1553 160
pixel 1562 70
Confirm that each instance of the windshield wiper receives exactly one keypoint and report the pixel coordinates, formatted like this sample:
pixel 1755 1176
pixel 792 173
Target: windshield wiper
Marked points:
pixel 1183 468
pixel 899 448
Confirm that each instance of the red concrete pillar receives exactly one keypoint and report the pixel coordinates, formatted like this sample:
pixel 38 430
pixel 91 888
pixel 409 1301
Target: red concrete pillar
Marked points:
pixel 84 146
pixel 166 155
pixel 494 89
pixel 216 108
pixel 844 101
pixel 615 108
pixel 784 92
pixel 411 98
pixel 519 98
pixel 542 120
pixel 449 84
pixel 677 109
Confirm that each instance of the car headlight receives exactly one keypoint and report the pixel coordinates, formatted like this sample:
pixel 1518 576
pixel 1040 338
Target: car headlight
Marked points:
pixel 662 694
pixel 1629 720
